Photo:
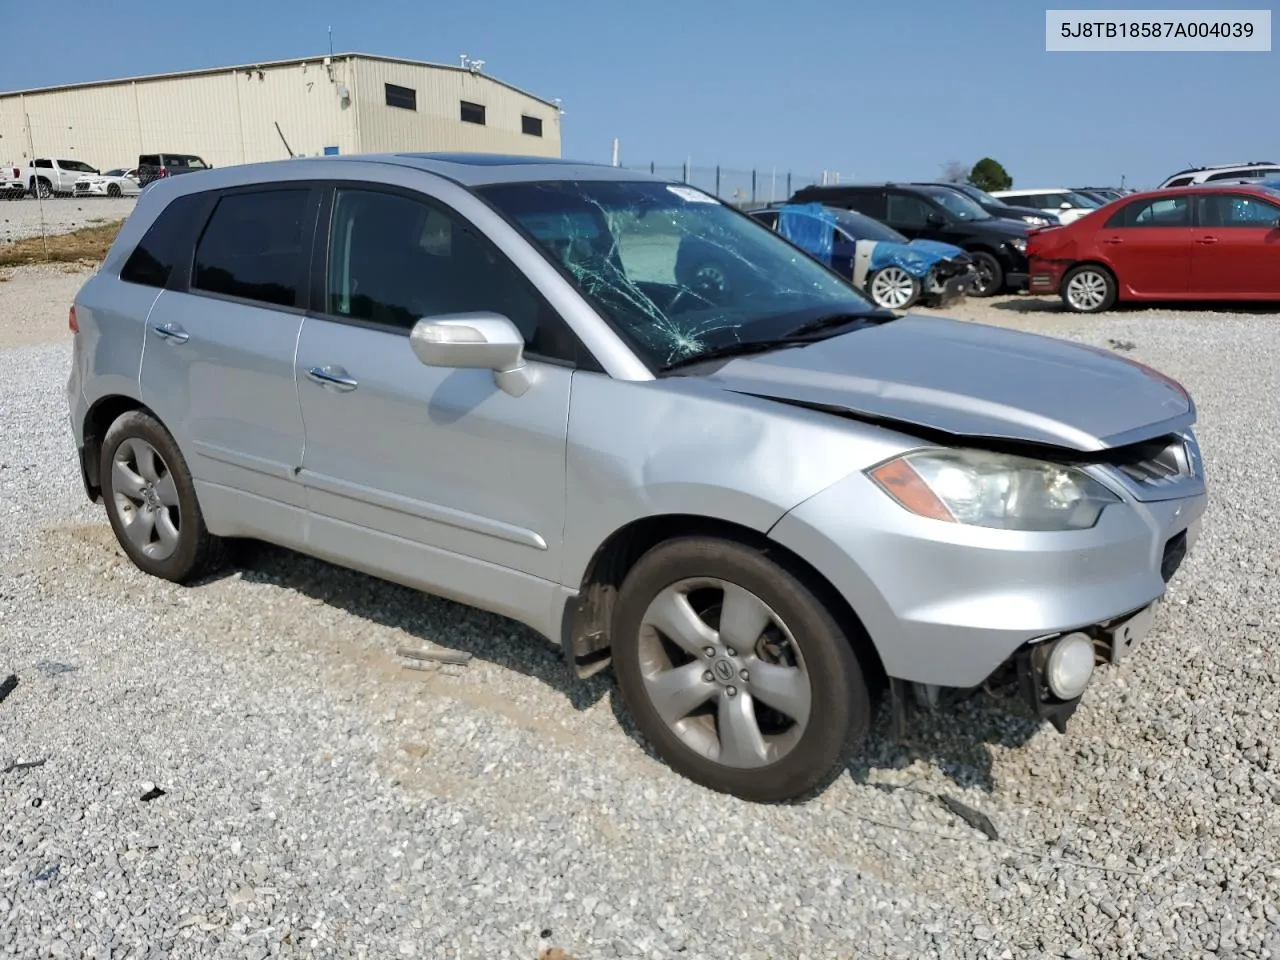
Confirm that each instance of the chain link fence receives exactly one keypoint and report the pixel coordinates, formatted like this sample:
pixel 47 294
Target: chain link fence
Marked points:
pixel 742 187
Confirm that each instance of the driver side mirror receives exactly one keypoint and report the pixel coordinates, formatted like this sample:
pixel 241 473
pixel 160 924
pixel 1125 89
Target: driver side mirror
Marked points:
pixel 1065 205
pixel 476 341
pixel 935 220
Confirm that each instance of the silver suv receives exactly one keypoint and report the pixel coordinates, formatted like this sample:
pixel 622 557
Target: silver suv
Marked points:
pixel 506 381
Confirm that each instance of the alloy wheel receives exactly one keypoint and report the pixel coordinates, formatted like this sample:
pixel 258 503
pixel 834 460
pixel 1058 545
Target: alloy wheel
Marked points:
pixel 146 498
pixel 1087 290
pixel 893 288
pixel 724 672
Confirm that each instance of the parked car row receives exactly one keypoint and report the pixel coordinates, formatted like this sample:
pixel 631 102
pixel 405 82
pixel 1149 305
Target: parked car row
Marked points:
pixel 943 213
pixel 46 177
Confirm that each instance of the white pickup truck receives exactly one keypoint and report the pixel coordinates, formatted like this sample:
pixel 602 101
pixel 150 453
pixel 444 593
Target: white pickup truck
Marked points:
pixel 12 183
pixel 48 177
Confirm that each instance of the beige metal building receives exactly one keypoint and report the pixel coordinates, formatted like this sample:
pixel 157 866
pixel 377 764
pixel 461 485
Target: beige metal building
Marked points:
pixel 343 103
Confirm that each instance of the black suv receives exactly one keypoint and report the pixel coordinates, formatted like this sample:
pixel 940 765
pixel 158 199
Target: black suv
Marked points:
pixel 153 166
pixel 998 246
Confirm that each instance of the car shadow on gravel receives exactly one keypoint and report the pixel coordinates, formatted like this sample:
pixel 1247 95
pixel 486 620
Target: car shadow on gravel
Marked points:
pixel 430 619
pixel 955 740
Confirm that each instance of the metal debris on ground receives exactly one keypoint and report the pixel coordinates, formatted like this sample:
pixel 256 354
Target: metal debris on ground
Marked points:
pixel 7 686
pixel 28 765
pixel 975 818
pixel 1121 344
pixel 50 668
pixel 437 655
pixel 151 795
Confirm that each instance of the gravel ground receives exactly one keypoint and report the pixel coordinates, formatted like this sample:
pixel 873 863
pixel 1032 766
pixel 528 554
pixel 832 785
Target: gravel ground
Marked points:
pixel 20 219
pixel 321 801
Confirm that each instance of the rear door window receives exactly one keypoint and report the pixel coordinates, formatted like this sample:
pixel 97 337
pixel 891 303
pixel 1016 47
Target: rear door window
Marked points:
pixel 1156 212
pixel 253 247
pixel 871 203
pixel 908 211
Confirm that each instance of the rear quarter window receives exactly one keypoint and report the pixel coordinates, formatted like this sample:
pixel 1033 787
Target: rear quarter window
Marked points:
pixel 166 244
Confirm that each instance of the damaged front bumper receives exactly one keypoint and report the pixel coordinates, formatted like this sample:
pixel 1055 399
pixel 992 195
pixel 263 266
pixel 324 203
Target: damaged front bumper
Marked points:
pixel 1035 673
pixel 945 288
pixel 950 281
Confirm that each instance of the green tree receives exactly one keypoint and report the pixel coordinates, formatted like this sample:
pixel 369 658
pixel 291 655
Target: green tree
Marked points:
pixel 988 174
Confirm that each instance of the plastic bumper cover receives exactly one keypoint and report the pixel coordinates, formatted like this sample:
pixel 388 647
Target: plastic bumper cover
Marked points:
pixel 949 605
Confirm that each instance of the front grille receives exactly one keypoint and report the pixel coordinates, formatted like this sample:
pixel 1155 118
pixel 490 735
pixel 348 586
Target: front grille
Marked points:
pixel 1159 463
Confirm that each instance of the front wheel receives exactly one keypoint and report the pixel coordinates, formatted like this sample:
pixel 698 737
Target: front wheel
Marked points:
pixel 1089 289
pixel 113 190
pixel 990 275
pixel 894 289
pixel 43 190
pixel 736 673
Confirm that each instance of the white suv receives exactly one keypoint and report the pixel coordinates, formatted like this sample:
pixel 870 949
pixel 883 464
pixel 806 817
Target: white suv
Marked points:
pixel 1223 171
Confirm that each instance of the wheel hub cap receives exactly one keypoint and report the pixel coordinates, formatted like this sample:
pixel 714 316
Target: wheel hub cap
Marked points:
pixel 724 672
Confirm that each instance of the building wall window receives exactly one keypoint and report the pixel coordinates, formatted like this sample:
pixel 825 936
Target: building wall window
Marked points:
pixel 472 112
pixel 531 125
pixel 406 98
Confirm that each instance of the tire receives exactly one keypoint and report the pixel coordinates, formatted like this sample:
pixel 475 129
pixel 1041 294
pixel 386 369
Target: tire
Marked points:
pixel 990 279
pixel 1089 288
pixel 894 289
pixel 43 189
pixel 113 190
pixel 810 656
pixel 178 547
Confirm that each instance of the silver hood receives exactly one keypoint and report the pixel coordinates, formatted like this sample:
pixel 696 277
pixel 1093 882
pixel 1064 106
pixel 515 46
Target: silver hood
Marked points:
pixel 972 380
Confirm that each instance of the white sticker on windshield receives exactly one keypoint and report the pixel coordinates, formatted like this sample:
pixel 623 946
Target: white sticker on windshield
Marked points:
pixel 693 196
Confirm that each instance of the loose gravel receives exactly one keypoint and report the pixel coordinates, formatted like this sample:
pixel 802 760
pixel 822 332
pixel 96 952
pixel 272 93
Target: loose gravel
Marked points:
pixel 321 801
pixel 28 217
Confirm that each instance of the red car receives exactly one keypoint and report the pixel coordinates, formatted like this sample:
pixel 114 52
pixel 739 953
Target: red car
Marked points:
pixel 1207 242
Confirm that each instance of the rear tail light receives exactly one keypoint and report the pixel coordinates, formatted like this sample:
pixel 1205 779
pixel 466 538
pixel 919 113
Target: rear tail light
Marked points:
pixel 71 320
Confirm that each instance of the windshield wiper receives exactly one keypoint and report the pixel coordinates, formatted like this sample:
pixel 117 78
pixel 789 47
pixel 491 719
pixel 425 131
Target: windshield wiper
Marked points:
pixel 801 335
pixel 736 349
pixel 834 320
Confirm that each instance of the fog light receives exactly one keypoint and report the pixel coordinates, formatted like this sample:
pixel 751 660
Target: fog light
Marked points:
pixel 1070 666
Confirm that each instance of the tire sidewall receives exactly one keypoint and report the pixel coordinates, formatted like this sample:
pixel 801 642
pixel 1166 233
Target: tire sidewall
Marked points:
pixel 997 273
pixel 841 708
pixel 1108 301
pixel 179 565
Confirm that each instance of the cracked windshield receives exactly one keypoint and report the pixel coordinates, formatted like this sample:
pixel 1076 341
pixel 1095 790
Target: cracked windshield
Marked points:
pixel 677 273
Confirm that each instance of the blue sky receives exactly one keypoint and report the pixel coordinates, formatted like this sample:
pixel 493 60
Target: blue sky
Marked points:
pixel 874 91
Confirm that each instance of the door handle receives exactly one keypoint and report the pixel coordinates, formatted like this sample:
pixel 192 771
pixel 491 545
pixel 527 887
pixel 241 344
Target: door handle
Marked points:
pixel 334 377
pixel 1207 240
pixel 1113 240
pixel 171 332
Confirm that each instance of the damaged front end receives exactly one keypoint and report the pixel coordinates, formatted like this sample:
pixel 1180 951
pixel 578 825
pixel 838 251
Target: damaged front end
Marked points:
pixel 949 282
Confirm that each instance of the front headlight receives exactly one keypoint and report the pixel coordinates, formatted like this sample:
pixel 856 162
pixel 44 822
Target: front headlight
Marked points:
pixel 1036 221
pixel 996 490
pixel 1019 244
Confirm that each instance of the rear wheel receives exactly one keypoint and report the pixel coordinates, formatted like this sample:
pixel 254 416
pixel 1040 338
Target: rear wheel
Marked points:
pixel 43 190
pixel 1089 289
pixel 894 289
pixel 735 672
pixel 151 501
pixel 990 279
